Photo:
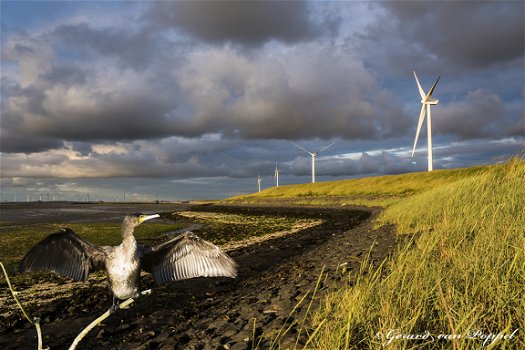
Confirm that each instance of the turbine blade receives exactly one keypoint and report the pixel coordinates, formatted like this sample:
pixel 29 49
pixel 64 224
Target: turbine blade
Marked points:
pixel 421 91
pixel 419 124
pixel 322 149
pixel 432 88
pixel 302 148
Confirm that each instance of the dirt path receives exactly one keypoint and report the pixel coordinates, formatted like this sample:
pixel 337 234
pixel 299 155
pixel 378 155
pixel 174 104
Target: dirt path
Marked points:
pixel 219 313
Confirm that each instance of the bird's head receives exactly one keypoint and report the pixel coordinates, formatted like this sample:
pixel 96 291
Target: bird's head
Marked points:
pixel 136 219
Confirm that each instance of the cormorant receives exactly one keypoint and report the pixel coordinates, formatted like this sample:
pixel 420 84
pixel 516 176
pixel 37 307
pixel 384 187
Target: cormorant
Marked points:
pixel 182 257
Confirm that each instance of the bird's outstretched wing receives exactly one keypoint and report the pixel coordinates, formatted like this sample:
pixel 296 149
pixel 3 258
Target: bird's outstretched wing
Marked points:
pixel 186 256
pixel 65 253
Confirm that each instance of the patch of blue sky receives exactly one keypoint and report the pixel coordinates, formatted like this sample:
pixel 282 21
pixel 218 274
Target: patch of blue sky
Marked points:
pixel 31 16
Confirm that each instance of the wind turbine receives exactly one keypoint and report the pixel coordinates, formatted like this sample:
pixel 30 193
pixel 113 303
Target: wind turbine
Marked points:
pixel 314 155
pixel 276 175
pixel 426 101
pixel 259 180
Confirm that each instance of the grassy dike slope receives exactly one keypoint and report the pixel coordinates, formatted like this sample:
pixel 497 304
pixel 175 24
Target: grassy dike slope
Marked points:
pixel 463 277
pixel 372 191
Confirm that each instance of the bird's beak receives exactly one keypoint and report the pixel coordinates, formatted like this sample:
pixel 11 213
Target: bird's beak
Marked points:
pixel 143 218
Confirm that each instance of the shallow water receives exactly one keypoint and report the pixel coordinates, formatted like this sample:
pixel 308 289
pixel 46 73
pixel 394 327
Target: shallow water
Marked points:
pixel 79 212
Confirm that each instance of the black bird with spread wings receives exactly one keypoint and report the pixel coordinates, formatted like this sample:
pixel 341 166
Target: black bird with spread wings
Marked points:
pixel 182 257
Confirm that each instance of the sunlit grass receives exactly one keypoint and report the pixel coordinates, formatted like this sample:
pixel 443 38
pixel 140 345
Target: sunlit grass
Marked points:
pixel 462 272
pixel 465 272
pixel 371 191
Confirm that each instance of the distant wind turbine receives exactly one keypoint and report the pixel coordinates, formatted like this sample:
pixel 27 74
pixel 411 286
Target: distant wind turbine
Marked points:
pixel 314 155
pixel 276 176
pixel 259 180
pixel 426 101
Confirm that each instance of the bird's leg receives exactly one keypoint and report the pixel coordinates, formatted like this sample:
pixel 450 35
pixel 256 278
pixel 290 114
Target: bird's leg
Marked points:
pixel 115 306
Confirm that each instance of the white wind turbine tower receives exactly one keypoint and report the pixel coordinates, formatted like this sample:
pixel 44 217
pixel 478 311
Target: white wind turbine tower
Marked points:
pixel 259 180
pixel 426 101
pixel 314 155
pixel 276 175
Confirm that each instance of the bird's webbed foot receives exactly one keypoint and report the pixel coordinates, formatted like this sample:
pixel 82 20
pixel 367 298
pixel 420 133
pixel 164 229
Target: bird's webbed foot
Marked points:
pixel 113 308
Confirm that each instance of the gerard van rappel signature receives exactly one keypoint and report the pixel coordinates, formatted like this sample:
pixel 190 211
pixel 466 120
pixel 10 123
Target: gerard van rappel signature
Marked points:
pixel 487 338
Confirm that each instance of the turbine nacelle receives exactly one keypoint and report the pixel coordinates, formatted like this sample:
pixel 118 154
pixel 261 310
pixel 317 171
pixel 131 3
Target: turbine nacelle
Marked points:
pixel 430 102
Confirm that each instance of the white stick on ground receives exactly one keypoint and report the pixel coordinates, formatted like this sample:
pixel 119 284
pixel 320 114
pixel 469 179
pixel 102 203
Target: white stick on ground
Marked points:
pixel 102 318
pixel 34 321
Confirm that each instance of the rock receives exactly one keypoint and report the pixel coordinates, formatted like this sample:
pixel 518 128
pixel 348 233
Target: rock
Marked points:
pixel 151 334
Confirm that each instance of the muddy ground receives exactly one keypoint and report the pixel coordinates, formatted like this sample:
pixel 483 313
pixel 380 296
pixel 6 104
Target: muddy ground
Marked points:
pixel 223 313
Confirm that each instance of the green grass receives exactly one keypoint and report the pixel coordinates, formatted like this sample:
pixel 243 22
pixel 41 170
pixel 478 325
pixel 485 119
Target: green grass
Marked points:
pixel 371 191
pixel 463 271
pixel 18 239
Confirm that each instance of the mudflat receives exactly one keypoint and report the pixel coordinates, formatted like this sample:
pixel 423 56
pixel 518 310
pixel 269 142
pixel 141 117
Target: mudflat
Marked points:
pixel 273 291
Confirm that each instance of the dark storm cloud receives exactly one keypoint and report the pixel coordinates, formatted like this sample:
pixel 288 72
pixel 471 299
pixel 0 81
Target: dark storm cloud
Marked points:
pixel 66 74
pixel 117 118
pixel 133 47
pixel 461 34
pixel 82 148
pixel 14 136
pixel 157 100
pixel 249 23
pixel 65 93
pixel 309 90
pixel 43 115
pixel 480 114
pixel 20 141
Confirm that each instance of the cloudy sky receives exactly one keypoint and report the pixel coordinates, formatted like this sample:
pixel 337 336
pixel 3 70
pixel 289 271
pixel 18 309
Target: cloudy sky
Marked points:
pixel 186 100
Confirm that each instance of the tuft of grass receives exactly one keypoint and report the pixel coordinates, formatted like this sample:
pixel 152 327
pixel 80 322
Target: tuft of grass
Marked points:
pixel 465 272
